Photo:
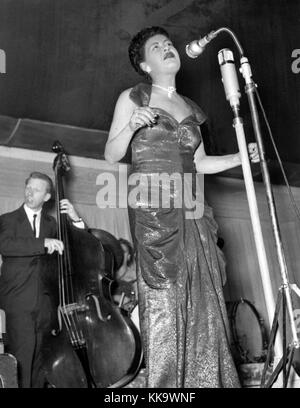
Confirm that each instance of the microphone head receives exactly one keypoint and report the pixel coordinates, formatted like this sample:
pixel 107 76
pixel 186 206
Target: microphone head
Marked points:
pixel 194 49
pixel 229 77
pixel 225 55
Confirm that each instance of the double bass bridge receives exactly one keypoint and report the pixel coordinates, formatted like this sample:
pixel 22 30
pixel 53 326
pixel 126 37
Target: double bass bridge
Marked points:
pixel 72 308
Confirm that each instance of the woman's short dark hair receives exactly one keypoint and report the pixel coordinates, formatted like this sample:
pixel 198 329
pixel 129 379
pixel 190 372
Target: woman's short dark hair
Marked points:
pixel 130 249
pixel 136 48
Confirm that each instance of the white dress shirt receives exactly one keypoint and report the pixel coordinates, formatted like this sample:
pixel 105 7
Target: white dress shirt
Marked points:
pixel 30 213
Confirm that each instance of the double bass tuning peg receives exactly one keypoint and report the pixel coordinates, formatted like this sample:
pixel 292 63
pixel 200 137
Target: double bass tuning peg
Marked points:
pixel 61 161
pixel 57 147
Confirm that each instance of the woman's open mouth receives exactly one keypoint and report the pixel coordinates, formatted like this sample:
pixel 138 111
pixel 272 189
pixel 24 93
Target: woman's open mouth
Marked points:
pixel 169 54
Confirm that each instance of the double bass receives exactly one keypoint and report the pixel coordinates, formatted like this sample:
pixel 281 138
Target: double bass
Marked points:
pixel 94 343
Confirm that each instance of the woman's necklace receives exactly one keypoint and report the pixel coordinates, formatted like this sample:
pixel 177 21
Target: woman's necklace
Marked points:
pixel 170 89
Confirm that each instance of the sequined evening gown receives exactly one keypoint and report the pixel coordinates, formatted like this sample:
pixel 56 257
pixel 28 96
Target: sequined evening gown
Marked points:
pixel 180 269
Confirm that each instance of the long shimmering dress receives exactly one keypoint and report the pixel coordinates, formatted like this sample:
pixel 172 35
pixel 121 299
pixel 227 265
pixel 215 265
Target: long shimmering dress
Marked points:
pixel 180 269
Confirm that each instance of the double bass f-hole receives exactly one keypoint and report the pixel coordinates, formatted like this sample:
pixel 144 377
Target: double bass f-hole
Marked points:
pixel 98 309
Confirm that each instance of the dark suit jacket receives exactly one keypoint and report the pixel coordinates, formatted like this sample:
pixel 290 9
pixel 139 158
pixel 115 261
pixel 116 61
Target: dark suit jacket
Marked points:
pixel 25 262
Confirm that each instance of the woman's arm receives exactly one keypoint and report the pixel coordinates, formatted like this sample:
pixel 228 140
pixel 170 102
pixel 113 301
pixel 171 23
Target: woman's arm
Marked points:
pixel 216 164
pixel 127 119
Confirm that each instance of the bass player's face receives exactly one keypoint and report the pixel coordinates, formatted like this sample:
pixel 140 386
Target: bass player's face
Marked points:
pixel 36 193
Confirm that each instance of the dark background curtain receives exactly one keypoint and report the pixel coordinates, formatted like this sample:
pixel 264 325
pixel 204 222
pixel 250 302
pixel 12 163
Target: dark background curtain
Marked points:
pixel 67 60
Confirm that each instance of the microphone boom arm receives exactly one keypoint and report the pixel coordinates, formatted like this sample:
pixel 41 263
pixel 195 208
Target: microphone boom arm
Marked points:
pixel 233 36
pixel 195 48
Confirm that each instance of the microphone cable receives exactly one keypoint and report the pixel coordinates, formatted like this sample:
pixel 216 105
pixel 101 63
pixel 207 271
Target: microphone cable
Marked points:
pixel 291 195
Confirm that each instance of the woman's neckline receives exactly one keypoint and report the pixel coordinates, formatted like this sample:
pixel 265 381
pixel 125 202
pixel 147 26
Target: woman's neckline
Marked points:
pixel 172 116
pixel 149 92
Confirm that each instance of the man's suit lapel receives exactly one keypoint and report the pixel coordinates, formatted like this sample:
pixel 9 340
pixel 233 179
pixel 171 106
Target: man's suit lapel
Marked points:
pixel 23 221
pixel 46 226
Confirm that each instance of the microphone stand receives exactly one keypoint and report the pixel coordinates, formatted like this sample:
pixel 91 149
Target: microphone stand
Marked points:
pixel 284 294
pixel 255 221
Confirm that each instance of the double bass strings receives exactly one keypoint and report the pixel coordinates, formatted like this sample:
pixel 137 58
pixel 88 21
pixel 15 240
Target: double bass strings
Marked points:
pixel 67 307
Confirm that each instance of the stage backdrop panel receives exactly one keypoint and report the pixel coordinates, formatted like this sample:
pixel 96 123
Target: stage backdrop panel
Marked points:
pixel 80 186
pixel 227 196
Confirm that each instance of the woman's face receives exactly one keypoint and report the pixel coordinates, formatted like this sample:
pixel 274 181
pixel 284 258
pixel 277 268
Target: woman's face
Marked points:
pixel 160 56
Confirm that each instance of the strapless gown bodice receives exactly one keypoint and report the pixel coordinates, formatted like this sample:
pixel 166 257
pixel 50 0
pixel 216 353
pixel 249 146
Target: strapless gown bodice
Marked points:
pixel 169 145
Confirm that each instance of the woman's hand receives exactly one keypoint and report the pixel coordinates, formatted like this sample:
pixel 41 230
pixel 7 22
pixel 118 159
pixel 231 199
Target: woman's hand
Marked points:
pixel 253 152
pixel 67 208
pixel 142 116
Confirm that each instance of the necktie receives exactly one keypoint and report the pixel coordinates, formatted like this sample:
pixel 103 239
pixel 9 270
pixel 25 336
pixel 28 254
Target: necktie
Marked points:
pixel 34 226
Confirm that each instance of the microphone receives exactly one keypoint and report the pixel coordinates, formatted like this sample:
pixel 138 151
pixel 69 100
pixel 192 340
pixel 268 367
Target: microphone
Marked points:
pixel 196 47
pixel 229 77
